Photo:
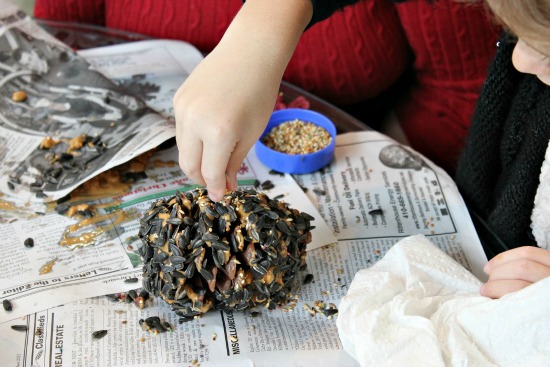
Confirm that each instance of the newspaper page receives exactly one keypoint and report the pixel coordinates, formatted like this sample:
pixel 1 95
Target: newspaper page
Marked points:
pixel 374 193
pixel 377 192
pixel 63 122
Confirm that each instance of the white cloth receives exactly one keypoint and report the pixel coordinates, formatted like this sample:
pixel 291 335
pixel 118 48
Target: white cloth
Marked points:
pixel 418 307
pixel 540 218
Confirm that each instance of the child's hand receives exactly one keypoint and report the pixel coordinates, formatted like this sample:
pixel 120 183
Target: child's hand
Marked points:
pixel 224 105
pixel 515 269
pixel 221 110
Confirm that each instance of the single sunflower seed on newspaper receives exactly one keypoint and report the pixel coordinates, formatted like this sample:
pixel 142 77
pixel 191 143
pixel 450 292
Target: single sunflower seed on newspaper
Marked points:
pixel 8 306
pixel 99 334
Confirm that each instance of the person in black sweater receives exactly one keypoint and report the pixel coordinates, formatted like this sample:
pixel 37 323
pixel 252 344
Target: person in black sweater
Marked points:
pixel 499 172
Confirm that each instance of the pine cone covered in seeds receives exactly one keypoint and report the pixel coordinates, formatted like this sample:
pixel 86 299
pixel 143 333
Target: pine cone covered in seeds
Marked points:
pixel 237 253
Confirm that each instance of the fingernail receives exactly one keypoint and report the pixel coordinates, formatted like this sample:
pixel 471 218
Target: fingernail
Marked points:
pixel 214 197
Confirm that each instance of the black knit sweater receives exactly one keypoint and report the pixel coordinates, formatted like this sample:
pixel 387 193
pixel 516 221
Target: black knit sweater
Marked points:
pixel 498 173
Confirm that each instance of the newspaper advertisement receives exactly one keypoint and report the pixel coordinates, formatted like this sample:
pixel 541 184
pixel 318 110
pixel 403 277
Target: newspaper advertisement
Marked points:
pixel 62 121
pixel 370 197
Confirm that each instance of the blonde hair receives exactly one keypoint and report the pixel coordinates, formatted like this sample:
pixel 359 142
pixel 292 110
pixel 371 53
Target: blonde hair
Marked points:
pixel 527 19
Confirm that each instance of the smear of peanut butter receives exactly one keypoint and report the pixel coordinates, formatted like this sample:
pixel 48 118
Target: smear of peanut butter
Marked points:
pixel 47 267
pixel 48 142
pixel 76 143
pixel 6 205
pixel 160 164
pixel 70 239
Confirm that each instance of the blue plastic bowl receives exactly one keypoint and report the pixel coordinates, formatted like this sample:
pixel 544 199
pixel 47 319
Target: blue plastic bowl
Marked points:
pixel 296 163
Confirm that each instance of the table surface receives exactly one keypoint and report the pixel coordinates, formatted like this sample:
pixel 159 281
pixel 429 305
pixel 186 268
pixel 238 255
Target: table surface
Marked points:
pixel 82 36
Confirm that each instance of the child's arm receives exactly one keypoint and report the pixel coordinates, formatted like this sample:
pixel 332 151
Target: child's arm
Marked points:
pixel 224 105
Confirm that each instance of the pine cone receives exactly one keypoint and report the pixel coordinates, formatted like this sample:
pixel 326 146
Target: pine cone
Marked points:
pixel 237 253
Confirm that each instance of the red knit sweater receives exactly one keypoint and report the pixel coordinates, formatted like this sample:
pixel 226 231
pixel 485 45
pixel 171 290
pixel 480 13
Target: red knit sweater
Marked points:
pixel 349 58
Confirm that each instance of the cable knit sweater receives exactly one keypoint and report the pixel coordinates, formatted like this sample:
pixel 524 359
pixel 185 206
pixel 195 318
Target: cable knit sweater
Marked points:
pixel 499 172
pixel 355 55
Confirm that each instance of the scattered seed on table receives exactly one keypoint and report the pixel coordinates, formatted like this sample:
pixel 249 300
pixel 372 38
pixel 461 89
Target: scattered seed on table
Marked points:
pixel 8 306
pixel 131 280
pixel 297 137
pixel 267 185
pixel 308 279
pixel 29 242
pixel 273 172
pixel 319 192
pixel 99 334
pixel 19 327
pixel 376 212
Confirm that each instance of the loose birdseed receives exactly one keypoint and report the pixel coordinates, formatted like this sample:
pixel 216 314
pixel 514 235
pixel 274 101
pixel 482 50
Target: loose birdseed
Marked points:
pixel 308 279
pixel 7 305
pixel 29 242
pixel 19 96
pixel 297 137
pixel 99 334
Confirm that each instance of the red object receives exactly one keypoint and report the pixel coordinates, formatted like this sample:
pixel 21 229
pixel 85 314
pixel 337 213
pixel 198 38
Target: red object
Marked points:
pixel 453 44
pixel 347 59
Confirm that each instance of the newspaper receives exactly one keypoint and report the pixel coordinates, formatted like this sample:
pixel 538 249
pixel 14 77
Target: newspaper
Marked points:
pixel 374 193
pixel 378 191
pixel 63 122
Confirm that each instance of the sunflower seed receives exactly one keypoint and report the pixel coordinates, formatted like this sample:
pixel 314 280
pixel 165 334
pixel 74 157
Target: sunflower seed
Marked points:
pixel 99 334
pixel 8 306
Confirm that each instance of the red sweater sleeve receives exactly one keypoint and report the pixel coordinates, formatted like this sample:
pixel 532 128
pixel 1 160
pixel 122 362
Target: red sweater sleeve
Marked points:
pixel 453 44
pixel 84 11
